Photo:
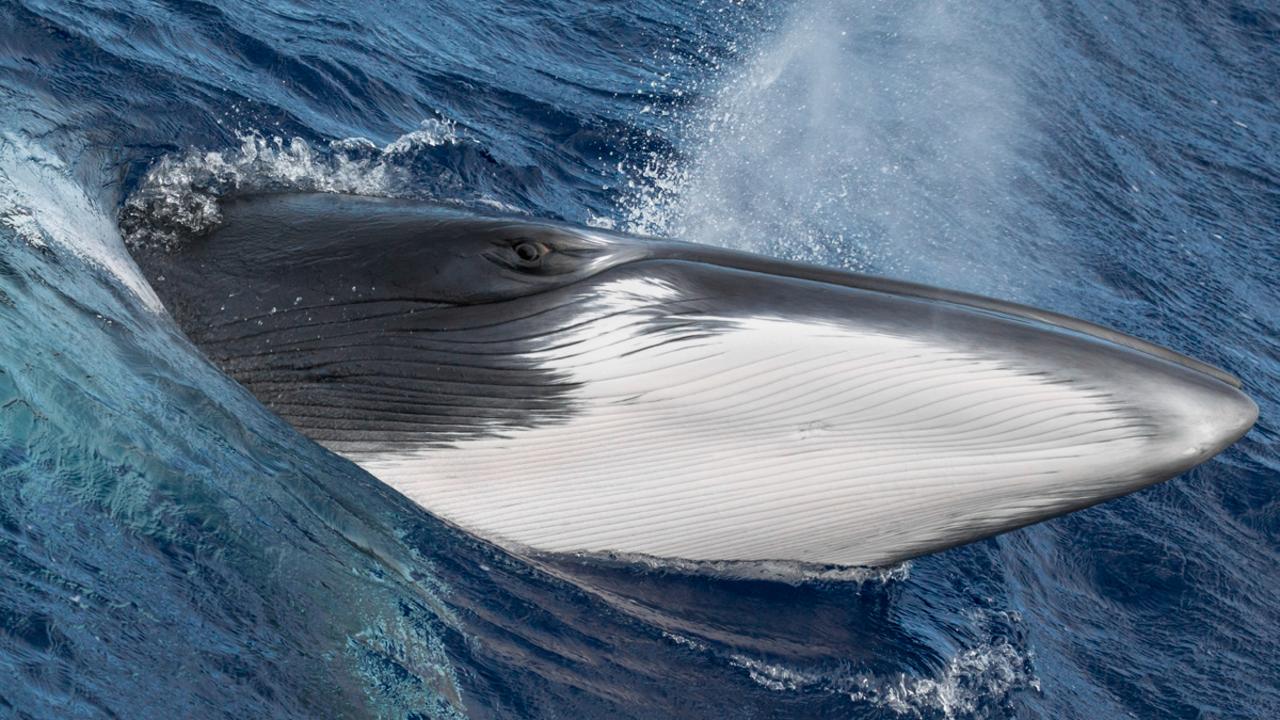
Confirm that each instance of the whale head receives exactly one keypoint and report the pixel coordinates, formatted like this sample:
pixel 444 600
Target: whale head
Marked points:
pixel 569 390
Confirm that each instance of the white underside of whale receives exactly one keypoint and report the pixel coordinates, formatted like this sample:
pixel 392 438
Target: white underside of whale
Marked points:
pixel 779 440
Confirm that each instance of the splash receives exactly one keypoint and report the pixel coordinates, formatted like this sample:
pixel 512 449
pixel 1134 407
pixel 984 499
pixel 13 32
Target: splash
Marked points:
pixel 179 197
pixel 871 137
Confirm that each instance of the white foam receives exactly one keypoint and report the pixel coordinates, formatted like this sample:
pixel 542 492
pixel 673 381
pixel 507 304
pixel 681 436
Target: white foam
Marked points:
pixel 783 571
pixel 179 196
pixel 983 674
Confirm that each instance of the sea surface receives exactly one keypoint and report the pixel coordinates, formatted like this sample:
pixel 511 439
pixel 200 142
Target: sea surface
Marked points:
pixel 170 549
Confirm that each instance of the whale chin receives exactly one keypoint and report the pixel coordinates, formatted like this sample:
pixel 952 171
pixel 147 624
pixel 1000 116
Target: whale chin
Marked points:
pixel 627 396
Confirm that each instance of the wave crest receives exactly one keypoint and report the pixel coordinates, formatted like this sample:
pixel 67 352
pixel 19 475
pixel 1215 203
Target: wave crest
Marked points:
pixel 179 196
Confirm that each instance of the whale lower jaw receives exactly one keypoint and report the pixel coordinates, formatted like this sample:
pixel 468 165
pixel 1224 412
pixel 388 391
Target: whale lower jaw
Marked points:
pixel 774 440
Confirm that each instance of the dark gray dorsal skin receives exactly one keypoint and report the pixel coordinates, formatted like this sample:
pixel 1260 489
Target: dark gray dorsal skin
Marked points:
pixel 347 318
pixel 571 390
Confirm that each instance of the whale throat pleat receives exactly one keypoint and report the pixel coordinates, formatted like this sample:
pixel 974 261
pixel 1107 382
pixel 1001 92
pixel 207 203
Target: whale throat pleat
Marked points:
pixel 774 440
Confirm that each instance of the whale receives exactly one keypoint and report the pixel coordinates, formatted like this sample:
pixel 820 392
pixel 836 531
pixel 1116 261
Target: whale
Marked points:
pixel 566 390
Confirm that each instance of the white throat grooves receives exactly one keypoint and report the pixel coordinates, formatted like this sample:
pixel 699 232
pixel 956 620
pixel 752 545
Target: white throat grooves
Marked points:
pixel 770 439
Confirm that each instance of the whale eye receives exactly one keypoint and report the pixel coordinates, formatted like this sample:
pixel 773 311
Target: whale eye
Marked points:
pixel 529 254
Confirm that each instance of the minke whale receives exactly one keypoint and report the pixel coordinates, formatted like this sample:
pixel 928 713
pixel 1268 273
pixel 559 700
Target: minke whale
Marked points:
pixel 559 389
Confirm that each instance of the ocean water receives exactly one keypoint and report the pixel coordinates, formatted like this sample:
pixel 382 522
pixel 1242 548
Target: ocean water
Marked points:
pixel 168 548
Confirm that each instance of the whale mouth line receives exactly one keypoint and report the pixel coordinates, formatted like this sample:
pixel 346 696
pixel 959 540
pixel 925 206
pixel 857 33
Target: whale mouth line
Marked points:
pixel 1066 322
pixel 970 301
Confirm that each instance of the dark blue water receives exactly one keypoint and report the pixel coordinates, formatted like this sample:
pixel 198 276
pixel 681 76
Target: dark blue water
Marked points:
pixel 170 549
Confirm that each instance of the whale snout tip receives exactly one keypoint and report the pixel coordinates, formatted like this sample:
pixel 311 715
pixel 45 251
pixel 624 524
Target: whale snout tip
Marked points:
pixel 1201 415
pixel 1219 421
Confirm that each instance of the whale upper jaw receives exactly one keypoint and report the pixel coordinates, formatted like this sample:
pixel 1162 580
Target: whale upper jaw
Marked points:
pixel 640 397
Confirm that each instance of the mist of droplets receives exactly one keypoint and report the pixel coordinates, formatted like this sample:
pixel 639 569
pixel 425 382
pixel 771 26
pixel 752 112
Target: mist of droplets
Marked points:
pixel 873 137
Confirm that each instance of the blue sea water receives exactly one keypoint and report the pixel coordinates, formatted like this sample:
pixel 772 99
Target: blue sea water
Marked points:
pixel 168 548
